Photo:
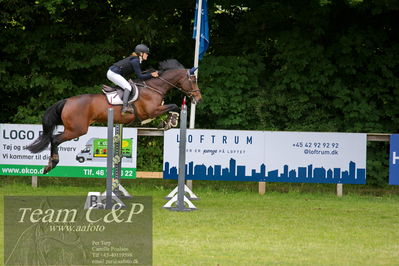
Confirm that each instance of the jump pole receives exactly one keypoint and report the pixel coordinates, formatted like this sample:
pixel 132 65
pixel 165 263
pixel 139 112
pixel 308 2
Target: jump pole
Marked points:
pixel 180 199
pixel 117 160
pixel 110 153
pixel 182 160
pixel 114 189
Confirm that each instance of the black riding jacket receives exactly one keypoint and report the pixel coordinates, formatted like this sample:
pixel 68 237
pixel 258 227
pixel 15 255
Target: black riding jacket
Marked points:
pixel 128 66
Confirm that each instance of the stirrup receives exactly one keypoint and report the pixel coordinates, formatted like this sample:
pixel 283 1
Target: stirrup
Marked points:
pixel 127 109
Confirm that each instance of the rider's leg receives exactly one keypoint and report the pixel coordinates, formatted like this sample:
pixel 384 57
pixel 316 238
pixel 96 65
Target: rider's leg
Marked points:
pixel 121 82
pixel 126 108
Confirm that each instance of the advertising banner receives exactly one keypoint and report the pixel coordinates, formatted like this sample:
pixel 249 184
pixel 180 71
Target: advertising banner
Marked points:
pixel 85 156
pixel 394 160
pixel 268 156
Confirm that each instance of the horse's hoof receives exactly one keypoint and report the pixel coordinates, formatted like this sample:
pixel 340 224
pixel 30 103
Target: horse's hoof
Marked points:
pixel 47 169
pixel 173 119
pixel 51 164
pixel 165 125
pixel 162 124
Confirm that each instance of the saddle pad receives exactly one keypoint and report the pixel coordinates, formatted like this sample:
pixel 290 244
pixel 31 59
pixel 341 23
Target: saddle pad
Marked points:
pixel 114 98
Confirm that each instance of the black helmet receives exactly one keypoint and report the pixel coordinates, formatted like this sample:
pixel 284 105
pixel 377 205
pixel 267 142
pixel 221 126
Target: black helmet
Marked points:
pixel 142 48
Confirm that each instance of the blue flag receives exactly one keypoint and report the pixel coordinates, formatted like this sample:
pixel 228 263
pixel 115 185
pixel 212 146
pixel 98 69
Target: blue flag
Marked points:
pixel 204 30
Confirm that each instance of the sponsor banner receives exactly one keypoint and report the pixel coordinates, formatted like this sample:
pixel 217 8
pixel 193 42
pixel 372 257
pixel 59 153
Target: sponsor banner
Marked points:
pixel 215 154
pixel 56 230
pixel 85 156
pixel 268 156
pixel 316 157
pixel 394 160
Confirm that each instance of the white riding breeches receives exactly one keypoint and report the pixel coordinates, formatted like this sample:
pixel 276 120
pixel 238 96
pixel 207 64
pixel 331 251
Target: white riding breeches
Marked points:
pixel 118 80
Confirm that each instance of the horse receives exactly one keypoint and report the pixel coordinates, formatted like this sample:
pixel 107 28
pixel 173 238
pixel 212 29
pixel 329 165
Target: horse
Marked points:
pixel 77 113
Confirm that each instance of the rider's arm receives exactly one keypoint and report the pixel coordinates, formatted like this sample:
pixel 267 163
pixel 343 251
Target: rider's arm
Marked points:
pixel 137 69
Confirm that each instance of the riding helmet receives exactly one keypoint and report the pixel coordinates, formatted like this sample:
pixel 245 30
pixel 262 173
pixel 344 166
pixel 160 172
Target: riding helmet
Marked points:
pixel 142 48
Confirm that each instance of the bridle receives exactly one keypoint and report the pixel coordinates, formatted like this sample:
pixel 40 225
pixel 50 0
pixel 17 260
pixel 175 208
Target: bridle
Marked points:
pixel 191 79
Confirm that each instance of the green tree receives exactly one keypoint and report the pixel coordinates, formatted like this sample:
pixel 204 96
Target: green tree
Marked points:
pixel 229 88
pixel 60 48
pixel 313 65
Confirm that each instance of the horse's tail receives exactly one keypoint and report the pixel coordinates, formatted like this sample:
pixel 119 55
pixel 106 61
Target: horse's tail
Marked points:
pixel 51 118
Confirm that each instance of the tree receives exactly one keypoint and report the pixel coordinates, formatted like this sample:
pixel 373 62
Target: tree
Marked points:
pixel 314 65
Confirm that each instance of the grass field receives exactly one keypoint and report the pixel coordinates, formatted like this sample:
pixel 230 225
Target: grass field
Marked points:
pixel 236 226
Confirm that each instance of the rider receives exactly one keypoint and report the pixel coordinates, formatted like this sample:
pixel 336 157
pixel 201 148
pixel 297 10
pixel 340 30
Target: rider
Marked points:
pixel 120 70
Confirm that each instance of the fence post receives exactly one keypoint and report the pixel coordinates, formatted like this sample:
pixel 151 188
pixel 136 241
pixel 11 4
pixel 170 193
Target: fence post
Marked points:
pixel 340 189
pixel 34 181
pixel 262 188
pixel 189 184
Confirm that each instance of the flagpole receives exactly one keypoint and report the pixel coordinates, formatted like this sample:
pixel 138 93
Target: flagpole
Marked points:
pixel 196 59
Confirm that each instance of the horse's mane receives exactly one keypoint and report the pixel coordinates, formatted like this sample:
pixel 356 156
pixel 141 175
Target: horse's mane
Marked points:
pixel 166 65
pixel 170 64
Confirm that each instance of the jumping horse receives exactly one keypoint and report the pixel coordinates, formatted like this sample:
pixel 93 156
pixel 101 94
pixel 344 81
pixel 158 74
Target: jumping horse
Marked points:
pixel 78 112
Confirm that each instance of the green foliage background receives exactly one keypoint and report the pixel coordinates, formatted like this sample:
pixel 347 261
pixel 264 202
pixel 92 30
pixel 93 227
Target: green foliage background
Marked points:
pixel 307 65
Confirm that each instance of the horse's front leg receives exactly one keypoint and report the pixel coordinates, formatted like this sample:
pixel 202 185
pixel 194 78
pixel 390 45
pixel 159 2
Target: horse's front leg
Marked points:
pixel 165 108
pixel 173 117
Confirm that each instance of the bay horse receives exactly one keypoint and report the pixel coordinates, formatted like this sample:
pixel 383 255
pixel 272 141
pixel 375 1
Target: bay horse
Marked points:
pixel 79 112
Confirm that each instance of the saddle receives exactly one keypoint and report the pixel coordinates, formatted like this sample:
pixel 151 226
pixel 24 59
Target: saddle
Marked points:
pixel 115 94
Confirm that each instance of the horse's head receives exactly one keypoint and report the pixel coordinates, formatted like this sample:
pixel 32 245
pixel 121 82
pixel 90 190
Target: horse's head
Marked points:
pixel 182 79
pixel 190 86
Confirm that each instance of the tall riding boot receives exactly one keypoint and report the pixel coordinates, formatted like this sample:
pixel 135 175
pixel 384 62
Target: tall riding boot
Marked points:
pixel 126 108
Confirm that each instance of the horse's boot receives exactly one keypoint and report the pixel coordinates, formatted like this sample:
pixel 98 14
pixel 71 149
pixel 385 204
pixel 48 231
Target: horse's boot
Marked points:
pixel 126 107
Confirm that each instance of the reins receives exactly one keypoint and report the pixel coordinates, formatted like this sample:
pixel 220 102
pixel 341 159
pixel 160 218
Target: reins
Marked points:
pixel 189 93
pixel 151 88
pixel 171 84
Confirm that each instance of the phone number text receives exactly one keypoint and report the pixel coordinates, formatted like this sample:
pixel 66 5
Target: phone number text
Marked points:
pixel 317 145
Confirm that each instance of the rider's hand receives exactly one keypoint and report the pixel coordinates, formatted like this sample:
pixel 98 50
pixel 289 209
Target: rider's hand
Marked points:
pixel 155 74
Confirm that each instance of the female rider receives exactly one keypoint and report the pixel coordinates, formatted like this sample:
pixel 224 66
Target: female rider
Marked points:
pixel 122 69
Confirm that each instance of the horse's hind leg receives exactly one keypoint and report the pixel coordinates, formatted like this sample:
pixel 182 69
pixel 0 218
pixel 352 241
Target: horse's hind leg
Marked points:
pixel 54 157
pixel 56 140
